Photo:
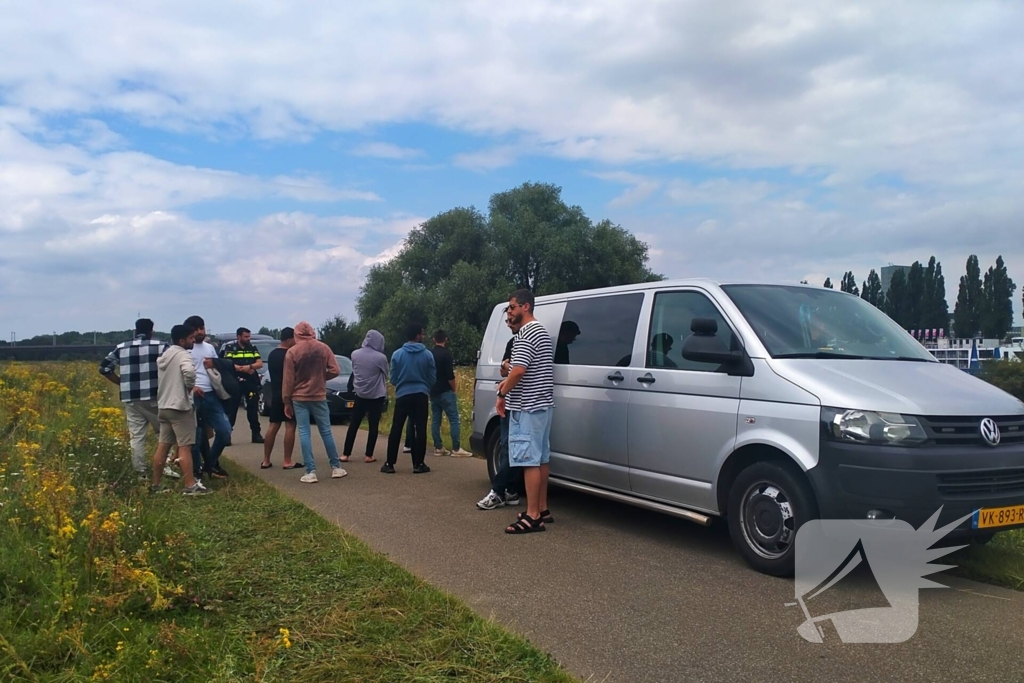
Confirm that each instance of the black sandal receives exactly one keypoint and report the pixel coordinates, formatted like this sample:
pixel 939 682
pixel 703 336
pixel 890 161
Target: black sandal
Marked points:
pixel 545 516
pixel 266 465
pixel 525 525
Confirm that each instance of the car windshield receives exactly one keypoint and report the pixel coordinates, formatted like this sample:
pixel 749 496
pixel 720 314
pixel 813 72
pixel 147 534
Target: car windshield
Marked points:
pixel 805 322
pixel 345 364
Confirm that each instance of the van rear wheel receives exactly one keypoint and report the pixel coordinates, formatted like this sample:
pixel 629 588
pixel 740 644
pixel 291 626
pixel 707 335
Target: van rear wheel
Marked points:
pixel 768 503
pixel 491 451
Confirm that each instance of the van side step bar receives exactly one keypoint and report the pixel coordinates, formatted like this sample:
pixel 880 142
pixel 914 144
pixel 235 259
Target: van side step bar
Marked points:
pixel 689 515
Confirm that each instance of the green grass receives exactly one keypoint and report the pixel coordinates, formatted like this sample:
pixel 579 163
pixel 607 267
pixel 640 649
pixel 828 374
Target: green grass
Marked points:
pixel 242 585
pixel 1000 562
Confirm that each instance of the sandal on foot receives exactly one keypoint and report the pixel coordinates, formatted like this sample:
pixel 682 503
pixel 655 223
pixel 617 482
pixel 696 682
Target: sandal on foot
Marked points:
pixel 293 466
pixel 370 458
pixel 266 465
pixel 545 516
pixel 344 458
pixel 525 525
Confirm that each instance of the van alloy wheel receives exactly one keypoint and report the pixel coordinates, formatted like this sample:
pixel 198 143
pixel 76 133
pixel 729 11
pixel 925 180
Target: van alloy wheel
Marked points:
pixel 767 519
pixel 768 503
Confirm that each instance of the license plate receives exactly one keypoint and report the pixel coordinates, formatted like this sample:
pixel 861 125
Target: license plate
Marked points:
pixel 350 404
pixel 986 518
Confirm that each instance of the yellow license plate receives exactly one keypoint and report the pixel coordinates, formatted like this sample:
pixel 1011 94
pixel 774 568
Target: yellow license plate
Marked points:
pixel 986 518
pixel 350 404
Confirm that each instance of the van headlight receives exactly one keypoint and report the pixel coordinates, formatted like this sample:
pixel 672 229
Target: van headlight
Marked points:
pixel 867 427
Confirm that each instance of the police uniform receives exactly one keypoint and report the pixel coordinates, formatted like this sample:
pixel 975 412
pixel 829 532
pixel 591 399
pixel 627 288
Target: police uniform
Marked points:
pixel 241 355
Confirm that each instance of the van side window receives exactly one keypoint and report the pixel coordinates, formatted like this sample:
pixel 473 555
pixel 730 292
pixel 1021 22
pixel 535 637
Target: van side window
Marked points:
pixel 599 331
pixel 670 325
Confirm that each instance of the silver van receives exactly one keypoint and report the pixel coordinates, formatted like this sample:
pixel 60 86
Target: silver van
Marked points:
pixel 768 405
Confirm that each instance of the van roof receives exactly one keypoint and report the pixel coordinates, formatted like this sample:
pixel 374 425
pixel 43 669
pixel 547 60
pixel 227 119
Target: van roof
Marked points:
pixel 641 286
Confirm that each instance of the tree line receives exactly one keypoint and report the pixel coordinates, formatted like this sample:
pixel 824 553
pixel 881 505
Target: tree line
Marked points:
pixel 916 298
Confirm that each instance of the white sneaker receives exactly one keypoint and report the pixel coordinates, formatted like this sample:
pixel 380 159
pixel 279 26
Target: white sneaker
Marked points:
pixel 406 449
pixel 197 489
pixel 309 478
pixel 338 473
pixel 171 472
pixel 440 452
pixel 461 454
pixel 492 501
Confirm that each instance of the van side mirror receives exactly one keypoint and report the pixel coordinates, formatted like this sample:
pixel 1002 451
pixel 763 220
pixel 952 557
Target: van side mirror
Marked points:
pixel 705 346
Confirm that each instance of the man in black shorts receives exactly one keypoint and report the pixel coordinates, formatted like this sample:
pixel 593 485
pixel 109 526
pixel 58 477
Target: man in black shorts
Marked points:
pixel 275 366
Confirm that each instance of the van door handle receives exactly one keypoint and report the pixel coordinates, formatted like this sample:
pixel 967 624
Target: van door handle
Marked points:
pixel 616 376
pixel 646 379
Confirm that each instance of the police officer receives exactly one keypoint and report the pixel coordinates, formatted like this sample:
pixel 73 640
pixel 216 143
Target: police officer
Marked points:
pixel 247 363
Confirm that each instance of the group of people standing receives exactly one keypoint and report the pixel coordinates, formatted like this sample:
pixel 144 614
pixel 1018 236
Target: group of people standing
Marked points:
pixel 185 389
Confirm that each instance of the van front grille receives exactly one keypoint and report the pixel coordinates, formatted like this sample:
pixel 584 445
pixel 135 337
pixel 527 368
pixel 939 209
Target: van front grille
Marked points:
pixel 966 431
pixel 981 482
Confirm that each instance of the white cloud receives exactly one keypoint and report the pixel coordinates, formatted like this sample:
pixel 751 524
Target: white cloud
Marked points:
pixel 487 159
pixel 387 150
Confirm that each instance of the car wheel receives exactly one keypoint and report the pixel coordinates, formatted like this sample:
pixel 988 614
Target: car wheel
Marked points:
pixel 768 503
pixel 491 450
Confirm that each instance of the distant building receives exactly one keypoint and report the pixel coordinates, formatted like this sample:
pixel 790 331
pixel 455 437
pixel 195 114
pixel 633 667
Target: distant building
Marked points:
pixel 887 273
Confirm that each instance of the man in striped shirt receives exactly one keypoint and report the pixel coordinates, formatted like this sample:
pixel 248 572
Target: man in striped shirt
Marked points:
pixel 132 366
pixel 527 395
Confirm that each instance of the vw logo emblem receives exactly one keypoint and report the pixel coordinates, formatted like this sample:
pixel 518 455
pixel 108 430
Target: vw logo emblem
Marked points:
pixel 990 431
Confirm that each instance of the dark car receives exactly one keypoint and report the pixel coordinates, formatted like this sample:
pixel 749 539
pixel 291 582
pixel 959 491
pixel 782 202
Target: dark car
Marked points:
pixel 340 400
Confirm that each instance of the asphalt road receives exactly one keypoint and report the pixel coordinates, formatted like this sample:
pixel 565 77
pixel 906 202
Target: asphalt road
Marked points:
pixel 616 593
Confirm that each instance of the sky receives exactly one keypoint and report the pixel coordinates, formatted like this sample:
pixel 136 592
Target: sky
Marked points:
pixel 250 161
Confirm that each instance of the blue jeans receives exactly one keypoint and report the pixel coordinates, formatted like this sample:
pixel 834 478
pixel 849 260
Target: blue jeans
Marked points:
pixel 449 405
pixel 322 414
pixel 506 480
pixel 210 413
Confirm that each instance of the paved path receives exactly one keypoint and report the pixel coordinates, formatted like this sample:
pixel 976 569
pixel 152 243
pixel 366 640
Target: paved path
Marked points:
pixel 621 594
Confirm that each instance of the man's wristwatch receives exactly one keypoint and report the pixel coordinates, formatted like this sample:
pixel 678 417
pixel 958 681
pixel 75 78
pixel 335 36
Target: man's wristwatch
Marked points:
pixel 500 395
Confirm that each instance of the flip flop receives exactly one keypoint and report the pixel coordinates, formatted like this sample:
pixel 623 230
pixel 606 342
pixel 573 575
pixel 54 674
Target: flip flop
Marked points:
pixel 293 466
pixel 266 465
pixel 343 458
pixel 370 460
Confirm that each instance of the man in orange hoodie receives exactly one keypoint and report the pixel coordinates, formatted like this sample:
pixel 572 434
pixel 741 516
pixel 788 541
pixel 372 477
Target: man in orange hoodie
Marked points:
pixel 307 367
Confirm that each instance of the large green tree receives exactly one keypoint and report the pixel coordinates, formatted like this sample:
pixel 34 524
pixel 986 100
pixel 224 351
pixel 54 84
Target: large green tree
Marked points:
pixel 969 301
pixel 828 283
pixel 913 304
pixel 934 309
pixel 456 266
pixel 997 298
pixel 872 290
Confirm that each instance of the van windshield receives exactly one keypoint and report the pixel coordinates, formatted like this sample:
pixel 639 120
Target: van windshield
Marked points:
pixel 804 322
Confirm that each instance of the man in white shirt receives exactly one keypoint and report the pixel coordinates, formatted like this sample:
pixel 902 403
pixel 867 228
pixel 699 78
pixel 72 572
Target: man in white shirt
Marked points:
pixel 209 409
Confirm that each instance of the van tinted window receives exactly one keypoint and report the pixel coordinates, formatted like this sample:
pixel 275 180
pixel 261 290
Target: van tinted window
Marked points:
pixel 599 331
pixel 670 325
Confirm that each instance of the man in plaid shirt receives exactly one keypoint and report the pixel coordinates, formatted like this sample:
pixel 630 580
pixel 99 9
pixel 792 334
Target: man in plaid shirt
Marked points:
pixel 132 366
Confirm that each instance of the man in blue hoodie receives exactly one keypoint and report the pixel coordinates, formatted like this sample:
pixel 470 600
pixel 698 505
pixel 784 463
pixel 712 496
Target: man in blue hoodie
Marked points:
pixel 412 373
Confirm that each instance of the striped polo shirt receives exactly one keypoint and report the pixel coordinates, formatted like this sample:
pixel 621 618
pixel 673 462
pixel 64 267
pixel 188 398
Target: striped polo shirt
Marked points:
pixel 534 351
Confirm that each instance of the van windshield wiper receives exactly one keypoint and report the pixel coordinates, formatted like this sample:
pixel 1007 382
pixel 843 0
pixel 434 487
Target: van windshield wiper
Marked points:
pixel 824 354
pixel 914 359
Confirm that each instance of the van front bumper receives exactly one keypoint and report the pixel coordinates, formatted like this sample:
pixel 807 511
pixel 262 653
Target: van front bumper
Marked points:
pixel 911 484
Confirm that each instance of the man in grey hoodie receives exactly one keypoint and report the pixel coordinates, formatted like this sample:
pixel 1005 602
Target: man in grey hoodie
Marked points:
pixel 176 377
pixel 412 373
pixel 369 383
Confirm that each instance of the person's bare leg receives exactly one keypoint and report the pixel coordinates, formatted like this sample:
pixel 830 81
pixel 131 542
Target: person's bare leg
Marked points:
pixel 532 475
pixel 542 502
pixel 268 441
pixel 289 442
pixel 185 457
pixel 159 458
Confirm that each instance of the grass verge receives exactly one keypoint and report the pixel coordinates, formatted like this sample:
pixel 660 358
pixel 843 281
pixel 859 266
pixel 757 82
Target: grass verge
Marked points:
pixel 999 562
pixel 101 581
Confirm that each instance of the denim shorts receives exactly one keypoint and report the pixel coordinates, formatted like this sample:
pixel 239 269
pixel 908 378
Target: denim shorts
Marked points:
pixel 529 438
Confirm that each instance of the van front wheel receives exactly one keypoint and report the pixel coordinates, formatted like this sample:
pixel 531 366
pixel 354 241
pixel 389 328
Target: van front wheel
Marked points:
pixel 768 503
